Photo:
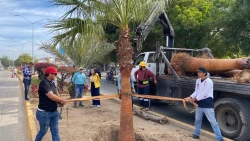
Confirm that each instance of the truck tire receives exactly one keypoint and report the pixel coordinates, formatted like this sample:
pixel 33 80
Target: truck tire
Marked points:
pixel 233 116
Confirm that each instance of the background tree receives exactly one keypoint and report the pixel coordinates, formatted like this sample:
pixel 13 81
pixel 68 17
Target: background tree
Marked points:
pixel 24 59
pixel 236 29
pixel 6 61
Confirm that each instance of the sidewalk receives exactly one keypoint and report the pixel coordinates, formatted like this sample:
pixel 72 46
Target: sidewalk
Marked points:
pixel 12 111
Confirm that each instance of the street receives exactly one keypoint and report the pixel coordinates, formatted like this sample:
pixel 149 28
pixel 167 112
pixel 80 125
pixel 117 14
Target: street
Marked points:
pixel 170 110
pixel 13 120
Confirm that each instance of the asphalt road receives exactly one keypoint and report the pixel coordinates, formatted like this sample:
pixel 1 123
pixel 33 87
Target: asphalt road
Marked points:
pixel 12 111
pixel 168 109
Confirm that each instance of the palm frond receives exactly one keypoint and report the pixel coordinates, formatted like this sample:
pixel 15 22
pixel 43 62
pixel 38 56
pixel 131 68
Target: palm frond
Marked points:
pixel 73 28
pixel 123 12
pixel 47 47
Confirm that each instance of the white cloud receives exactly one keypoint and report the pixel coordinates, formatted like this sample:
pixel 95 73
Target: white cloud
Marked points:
pixel 39 12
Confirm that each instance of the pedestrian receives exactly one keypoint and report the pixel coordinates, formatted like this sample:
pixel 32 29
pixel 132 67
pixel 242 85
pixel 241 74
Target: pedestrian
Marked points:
pixel 142 77
pixel 47 114
pixel 15 72
pixel 27 73
pixel 119 81
pixel 94 79
pixel 203 96
pixel 79 79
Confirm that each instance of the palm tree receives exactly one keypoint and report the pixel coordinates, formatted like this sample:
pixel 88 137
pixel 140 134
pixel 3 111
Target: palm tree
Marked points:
pixel 119 13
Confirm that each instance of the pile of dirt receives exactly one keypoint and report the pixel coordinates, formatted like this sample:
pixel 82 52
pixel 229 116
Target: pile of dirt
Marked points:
pixel 102 124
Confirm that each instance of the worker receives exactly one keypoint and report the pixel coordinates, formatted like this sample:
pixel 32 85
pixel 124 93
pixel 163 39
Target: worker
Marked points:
pixel 79 79
pixel 203 96
pixel 27 73
pixel 47 113
pixel 142 77
pixel 119 81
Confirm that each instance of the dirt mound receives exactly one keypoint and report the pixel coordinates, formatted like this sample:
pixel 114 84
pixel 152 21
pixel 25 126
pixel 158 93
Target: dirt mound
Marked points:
pixel 102 124
pixel 111 133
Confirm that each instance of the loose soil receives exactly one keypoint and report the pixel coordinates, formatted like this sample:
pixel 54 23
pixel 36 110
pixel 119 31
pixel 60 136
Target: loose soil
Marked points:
pixel 102 124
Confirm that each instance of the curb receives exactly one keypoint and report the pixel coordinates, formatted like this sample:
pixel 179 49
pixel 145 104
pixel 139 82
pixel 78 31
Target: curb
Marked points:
pixel 31 124
pixel 179 124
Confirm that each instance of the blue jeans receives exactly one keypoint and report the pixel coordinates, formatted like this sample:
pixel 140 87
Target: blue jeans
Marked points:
pixel 48 120
pixel 26 83
pixel 144 101
pixel 209 112
pixel 79 89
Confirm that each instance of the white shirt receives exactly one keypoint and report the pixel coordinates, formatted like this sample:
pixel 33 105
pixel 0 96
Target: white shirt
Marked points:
pixel 15 70
pixel 203 89
pixel 91 78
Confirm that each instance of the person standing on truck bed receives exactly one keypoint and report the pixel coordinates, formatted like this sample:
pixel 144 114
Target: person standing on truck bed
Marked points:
pixel 203 95
pixel 142 77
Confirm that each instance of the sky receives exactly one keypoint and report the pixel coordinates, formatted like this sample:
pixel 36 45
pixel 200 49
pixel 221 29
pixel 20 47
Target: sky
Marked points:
pixel 15 30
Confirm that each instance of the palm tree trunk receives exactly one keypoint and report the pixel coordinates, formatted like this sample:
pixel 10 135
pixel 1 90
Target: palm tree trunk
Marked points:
pixel 125 63
pixel 183 63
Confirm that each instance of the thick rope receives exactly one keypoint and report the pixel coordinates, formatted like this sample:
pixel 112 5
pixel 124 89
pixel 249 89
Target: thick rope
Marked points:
pixel 167 98
pixel 110 96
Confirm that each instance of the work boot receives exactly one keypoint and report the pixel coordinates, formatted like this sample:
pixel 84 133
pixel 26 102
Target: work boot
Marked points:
pixel 81 105
pixel 195 136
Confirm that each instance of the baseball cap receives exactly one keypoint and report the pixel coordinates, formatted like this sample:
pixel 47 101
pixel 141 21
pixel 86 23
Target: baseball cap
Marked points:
pixel 81 68
pixel 202 69
pixel 51 69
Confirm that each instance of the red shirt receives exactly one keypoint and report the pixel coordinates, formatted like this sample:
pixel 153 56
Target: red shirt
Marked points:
pixel 139 75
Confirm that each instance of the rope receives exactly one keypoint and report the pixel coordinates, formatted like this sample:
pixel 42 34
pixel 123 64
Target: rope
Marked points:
pixel 167 98
pixel 86 98
pixel 110 96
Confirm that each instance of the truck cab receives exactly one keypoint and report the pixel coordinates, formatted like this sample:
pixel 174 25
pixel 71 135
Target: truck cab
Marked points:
pixel 148 57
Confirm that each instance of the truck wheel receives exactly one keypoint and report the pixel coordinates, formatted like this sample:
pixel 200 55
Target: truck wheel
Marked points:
pixel 233 117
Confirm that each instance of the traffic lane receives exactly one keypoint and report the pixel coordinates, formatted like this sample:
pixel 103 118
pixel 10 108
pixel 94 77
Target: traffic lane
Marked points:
pixel 171 110
pixel 107 88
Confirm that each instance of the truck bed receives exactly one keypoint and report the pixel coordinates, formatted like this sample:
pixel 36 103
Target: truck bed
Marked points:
pixel 187 85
